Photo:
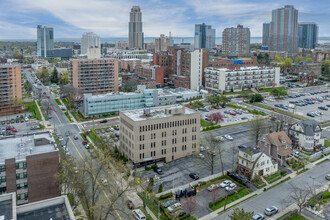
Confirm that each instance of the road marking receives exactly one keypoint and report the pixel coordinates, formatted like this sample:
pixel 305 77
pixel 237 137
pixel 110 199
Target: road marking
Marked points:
pixel 98 183
pixel 57 117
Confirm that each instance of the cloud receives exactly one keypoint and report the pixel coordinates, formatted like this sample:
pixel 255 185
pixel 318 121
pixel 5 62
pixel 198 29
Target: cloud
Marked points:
pixel 20 31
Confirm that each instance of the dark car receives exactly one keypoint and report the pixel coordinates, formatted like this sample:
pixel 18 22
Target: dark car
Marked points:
pixel 158 170
pixel 12 121
pixel 84 142
pixel 116 128
pixel 168 203
pixel 104 121
pixel 17 121
pixel 3 122
pixel 311 115
pixel 323 108
pixel 75 137
pixel 194 176
pixel 130 204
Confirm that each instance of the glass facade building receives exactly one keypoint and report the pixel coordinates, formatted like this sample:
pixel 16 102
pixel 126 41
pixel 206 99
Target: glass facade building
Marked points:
pixel 308 34
pixel 204 36
pixel 45 41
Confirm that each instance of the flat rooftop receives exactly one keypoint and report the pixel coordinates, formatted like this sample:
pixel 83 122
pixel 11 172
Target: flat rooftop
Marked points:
pixel 244 68
pixel 155 112
pixel 20 147
pixel 51 212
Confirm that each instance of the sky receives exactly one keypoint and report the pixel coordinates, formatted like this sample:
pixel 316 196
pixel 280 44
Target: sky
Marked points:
pixel 109 18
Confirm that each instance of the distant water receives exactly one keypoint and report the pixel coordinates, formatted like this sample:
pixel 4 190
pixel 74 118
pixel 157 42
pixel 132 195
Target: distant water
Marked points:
pixel 177 40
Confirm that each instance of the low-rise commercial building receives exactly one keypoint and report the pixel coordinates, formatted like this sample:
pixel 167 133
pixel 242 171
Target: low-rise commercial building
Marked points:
pixel 306 134
pixel 253 162
pixel 226 80
pixel 159 133
pixel 115 102
pixel 97 76
pixel 10 89
pixel 28 165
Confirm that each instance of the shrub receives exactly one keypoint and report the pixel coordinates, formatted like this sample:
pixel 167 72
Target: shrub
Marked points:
pixel 293 160
pixel 283 172
pixel 148 168
pixel 154 166
pixel 294 166
pixel 160 189
pixel 165 196
pixel 326 195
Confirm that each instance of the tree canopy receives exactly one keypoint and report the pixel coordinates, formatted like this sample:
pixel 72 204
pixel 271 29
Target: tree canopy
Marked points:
pixel 241 214
pixel 256 98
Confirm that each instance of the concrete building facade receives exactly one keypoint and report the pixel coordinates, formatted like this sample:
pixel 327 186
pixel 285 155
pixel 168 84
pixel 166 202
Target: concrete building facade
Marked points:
pixel 232 64
pixel 308 33
pixel 121 45
pixel 159 133
pixel 204 37
pixel 236 42
pixel 88 40
pixel 162 43
pixel 284 30
pixel 135 33
pixel 10 89
pixel 199 61
pixel 45 41
pixel 266 34
pixel 28 166
pixel 97 76
pixel 226 80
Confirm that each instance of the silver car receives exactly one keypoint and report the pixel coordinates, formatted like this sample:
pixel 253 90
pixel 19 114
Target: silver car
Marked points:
pixel 258 217
pixel 327 177
pixel 271 210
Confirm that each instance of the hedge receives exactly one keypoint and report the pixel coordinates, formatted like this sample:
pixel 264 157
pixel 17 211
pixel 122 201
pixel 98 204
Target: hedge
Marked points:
pixel 326 195
pixel 165 196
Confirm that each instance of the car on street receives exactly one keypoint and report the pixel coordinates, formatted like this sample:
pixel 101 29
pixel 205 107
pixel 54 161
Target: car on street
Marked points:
pixel 158 170
pixel 130 204
pixel 194 176
pixel 258 217
pixel 104 121
pixel 75 137
pixel 67 133
pixel 168 203
pixel 212 187
pixel 13 130
pixel 84 142
pixel 105 182
pixel 271 211
pixel 327 177
pixel 201 155
pixel 87 146
pixel 228 137
pixel 225 183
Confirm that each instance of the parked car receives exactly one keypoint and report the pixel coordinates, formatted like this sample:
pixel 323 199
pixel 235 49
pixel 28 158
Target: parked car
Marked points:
pixel 104 121
pixel 87 146
pixel 231 187
pixel 13 130
pixel 271 211
pixel 225 183
pixel 310 114
pixel 258 217
pixel 327 177
pixel 201 155
pixel 194 176
pixel 130 204
pixel 220 138
pixel 228 137
pixel 323 108
pixel 158 170
pixel 212 187
pixel 84 142
pixel 174 206
pixel 75 137
pixel 168 203
pixel 67 133
pixel 232 113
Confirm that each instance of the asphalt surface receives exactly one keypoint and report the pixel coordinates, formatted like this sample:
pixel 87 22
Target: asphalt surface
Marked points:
pixel 75 147
pixel 279 196
pixel 96 124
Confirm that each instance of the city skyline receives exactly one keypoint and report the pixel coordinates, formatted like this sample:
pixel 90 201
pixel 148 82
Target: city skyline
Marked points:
pixel 110 18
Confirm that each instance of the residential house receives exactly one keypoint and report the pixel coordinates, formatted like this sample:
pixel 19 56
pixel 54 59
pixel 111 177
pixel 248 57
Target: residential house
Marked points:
pixel 277 145
pixel 307 78
pixel 253 162
pixel 306 134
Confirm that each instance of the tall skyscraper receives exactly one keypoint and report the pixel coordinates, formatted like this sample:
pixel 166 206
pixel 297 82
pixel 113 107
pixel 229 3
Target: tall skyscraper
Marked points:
pixel 236 42
pixel 89 40
pixel 45 41
pixel 135 34
pixel 308 34
pixel 284 30
pixel 204 36
pixel 266 34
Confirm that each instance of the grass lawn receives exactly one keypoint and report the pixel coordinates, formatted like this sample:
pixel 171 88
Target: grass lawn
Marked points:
pixel 43 111
pixel 83 137
pixel 297 217
pixel 273 176
pixel 239 92
pixel 230 199
pixel 280 111
pixel 326 143
pixel 282 181
pixel 322 161
pixel 270 89
pixel 32 107
pixel 205 123
pixel 68 116
pixel 148 217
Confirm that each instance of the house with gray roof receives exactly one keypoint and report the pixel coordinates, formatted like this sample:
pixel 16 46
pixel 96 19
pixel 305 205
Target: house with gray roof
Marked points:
pixel 306 134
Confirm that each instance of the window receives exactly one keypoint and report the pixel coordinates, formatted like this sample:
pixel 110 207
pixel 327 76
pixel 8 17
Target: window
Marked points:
pixel 21 175
pixel 22 185
pixel 21 165
pixel 2 179
pixel 2 168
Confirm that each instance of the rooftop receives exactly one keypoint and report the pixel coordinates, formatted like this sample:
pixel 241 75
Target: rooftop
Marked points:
pixel 6 205
pixel 250 150
pixel 157 112
pixel 20 147
pixel 309 127
pixel 243 68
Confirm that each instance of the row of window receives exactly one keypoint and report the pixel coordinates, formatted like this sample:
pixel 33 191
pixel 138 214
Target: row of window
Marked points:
pixel 168 125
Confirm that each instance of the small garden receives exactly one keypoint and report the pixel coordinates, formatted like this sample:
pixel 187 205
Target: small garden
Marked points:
pixel 68 116
pixel 80 117
pixel 33 109
pixel 58 101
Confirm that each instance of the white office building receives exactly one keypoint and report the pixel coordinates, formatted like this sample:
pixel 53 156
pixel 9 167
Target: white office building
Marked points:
pixel 89 40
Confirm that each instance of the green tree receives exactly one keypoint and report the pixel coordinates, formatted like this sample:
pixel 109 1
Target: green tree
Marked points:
pixel 260 58
pixel 287 64
pixel 277 92
pixel 64 78
pixel 43 75
pixel 197 104
pixel 224 100
pixel 256 98
pixel 240 214
pixel 266 59
pixel 214 100
pixel 325 68
pixel 279 59
pixel 54 78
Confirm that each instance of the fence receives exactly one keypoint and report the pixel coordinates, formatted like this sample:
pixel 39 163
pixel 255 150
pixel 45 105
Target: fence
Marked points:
pixel 319 154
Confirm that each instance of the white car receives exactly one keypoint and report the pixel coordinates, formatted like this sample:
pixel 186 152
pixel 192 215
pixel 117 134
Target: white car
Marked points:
pixel 174 206
pixel 228 137
pixel 220 138
pixel 201 155
pixel 231 187
pixel 225 183
pixel 202 148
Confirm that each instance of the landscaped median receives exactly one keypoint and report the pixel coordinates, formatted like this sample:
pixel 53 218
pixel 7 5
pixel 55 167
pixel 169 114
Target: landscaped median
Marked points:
pixel 68 116
pixel 58 101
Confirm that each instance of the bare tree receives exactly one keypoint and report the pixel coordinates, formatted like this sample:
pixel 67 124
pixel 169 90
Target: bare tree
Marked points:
pixel 72 94
pixel 258 127
pixel 190 205
pixel 214 195
pixel 234 152
pixel 208 160
pixel 299 195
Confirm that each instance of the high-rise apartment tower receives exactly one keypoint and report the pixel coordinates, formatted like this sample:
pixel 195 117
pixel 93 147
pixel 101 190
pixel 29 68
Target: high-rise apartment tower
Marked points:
pixel 135 34
pixel 204 36
pixel 308 34
pixel 45 41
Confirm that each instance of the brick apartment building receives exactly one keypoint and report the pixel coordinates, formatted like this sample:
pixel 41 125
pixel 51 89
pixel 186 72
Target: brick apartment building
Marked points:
pixel 28 166
pixel 129 77
pixel 96 76
pixel 10 89
pixel 159 133
pixel 181 67
pixel 152 72
pixel 129 64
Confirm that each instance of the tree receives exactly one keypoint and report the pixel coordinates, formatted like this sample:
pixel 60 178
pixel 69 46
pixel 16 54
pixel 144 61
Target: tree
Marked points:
pixel 258 127
pixel 240 214
pixel 214 195
pixel 256 98
pixel 64 77
pixel 216 117
pixel 128 68
pixel 27 86
pixel 197 104
pixel 214 100
pixel 129 85
pixel 325 68
pixel 260 58
pixel 43 75
pixel 234 152
pixel 72 94
pixel 266 59
pixel 224 100
pixel 190 205
pixel 277 92
pixel 299 195
pixel 54 78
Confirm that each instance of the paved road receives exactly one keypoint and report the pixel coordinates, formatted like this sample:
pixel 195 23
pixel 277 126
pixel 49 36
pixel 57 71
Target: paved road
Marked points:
pixel 111 122
pixel 279 196
pixel 75 147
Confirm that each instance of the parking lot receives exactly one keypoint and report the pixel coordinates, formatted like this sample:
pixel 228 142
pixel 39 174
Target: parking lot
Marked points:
pixel 176 173
pixel 307 103
pixel 17 126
